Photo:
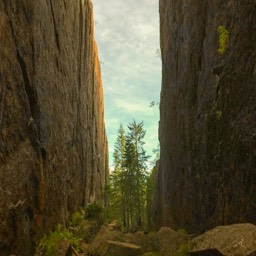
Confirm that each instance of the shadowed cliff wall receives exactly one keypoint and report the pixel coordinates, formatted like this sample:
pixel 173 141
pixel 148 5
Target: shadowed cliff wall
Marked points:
pixel 207 173
pixel 53 147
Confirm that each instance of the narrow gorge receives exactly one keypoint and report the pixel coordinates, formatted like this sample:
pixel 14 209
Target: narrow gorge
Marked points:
pixel 53 143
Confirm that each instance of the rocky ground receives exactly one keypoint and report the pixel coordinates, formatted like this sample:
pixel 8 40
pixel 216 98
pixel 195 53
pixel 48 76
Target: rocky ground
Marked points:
pixel 110 240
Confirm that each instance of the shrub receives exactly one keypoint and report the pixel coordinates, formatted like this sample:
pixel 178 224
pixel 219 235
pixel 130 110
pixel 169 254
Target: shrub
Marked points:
pixel 93 211
pixel 77 218
pixel 49 244
pixel 223 39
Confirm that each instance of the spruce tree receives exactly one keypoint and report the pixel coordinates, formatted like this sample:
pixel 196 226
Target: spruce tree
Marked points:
pixel 128 179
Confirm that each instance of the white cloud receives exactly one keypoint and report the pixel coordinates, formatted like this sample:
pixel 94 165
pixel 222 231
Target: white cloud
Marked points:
pixel 133 107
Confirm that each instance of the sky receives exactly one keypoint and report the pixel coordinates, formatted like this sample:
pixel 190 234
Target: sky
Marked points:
pixel 127 35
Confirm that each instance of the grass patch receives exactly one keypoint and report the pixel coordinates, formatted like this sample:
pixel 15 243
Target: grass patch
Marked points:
pixel 49 244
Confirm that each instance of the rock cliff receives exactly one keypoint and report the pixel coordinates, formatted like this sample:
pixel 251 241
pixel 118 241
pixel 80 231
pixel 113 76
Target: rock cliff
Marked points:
pixel 207 114
pixel 53 147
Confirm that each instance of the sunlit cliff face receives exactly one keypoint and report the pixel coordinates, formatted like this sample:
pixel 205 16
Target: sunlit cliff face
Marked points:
pixel 51 118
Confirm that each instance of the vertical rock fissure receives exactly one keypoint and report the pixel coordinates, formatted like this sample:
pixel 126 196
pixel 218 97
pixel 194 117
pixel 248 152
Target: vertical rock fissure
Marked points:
pixel 56 34
pixel 201 55
pixel 25 10
pixel 80 80
pixel 2 104
pixel 30 92
pixel 32 97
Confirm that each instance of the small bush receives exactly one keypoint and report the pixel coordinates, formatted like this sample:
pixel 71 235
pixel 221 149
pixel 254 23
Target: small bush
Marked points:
pixel 77 218
pixel 93 211
pixel 50 243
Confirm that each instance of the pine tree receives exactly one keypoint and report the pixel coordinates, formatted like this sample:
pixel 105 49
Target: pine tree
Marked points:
pixel 117 179
pixel 128 180
pixel 136 135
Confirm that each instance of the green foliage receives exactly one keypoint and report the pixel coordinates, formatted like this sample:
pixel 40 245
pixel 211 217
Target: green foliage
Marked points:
pixel 223 39
pixel 183 251
pixel 50 243
pixel 127 198
pixel 151 180
pixel 93 211
pixel 77 218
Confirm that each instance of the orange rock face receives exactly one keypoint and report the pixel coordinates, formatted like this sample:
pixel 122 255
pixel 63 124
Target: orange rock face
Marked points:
pixel 53 146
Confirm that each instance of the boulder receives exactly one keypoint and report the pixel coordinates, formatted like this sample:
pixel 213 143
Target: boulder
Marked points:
pixel 237 239
pixel 151 254
pixel 88 230
pixel 115 248
pixel 99 245
pixel 170 241
pixel 148 242
pixel 114 225
pixel 112 242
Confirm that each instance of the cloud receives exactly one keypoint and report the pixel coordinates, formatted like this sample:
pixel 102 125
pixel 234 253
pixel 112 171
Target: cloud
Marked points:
pixel 127 34
pixel 132 106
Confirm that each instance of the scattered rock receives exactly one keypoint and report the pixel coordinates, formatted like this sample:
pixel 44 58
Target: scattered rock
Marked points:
pixel 88 230
pixel 84 247
pixel 114 242
pixel 147 242
pixel 237 239
pixel 171 241
pixel 99 243
pixel 104 247
pixel 121 248
pixel 114 225
pixel 151 254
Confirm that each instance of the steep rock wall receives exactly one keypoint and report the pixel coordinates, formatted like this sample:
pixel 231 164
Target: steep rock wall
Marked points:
pixel 53 147
pixel 207 114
